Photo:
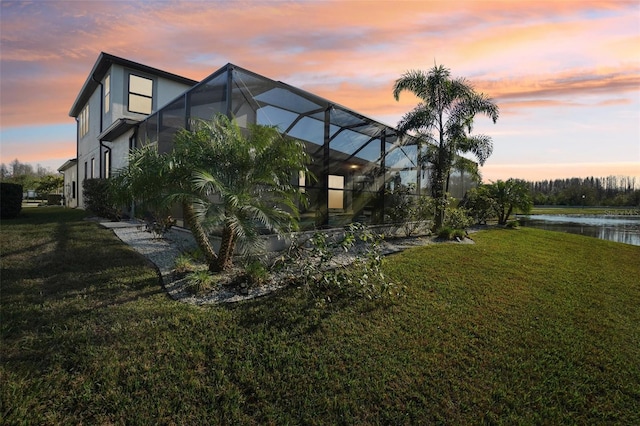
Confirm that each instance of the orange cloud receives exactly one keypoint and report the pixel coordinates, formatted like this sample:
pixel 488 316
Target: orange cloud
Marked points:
pixel 543 171
pixel 359 47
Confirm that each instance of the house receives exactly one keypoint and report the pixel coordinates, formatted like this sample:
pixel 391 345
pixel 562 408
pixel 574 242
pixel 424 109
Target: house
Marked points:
pixel 116 97
pixel 358 161
pixel 69 171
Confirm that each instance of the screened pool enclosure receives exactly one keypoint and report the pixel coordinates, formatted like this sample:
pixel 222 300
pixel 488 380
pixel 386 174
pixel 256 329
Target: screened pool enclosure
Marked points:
pixel 358 162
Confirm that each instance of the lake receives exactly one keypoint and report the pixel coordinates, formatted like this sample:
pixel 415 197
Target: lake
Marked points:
pixel 621 229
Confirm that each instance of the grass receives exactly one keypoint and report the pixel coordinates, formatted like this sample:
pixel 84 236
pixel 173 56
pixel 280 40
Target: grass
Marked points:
pixel 526 326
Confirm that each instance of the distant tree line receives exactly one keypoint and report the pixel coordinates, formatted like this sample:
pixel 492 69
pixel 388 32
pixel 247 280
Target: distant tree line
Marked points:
pixel 591 191
pixel 39 179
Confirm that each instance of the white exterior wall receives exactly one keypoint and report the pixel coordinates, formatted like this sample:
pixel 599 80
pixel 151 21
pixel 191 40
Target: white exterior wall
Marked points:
pixel 88 145
pixel 69 174
pixel 119 151
pixel 168 91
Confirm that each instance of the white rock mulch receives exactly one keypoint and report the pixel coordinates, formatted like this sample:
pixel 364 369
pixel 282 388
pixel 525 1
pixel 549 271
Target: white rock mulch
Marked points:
pixel 163 251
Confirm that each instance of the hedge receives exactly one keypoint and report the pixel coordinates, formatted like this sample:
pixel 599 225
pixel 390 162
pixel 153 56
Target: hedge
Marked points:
pixel 10 200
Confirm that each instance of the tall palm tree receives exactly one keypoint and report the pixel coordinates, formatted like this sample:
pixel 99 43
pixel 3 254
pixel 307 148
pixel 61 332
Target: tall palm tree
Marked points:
pixel 444 117
pixel 222 179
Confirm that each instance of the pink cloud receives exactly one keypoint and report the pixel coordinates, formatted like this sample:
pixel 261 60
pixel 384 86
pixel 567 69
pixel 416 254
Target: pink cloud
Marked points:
pixel 40 152
pixel 542 171
pixel 523 54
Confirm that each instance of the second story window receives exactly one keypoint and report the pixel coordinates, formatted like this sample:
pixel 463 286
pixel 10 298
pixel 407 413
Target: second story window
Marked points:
pixel 83 121
pixel 140 94
pixel 107 93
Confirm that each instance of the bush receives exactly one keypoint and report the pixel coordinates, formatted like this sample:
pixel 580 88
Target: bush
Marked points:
pixel 98 199
pixel 256 273
pixel 10 200
pixel 449 233
pixel 409 209
pixel 479 204
pixel 54 199
pixel 183 264
pixel 445 233
pixel 327 277
pixel 159 224
pixel 200 281
pixel 457 218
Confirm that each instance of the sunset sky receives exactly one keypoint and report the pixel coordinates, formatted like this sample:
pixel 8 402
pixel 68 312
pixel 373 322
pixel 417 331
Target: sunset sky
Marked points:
pixel 565 74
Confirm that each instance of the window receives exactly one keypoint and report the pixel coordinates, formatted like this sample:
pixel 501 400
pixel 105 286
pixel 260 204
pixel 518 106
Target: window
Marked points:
pixel 140 94
pixel 107 93
pixel 93 168
pixel 107 164
pixel 86 171
pixel 336 192
pixel 73 189
pixel 83 121
pixel 302 181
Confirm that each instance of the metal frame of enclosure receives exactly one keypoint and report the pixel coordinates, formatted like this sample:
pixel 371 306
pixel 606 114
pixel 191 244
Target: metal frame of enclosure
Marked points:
pixel 356 160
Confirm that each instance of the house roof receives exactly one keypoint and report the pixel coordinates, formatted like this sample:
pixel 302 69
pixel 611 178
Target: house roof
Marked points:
pixel 100 68
pixel 117 129
pixel 67 165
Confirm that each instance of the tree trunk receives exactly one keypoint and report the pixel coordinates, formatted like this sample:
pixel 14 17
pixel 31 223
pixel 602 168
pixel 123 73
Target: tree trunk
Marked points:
pixel 227 247
pixel 506 218
pixel 199 234
pixel 438 191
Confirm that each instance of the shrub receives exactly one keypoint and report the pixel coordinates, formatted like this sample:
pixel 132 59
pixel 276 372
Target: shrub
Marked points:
pixel 449 233
pixel 457 218
pixel 54 199
pixel 159 224
pixel 98 198
pixel 408 209
pixel 183 263
pixel 459 234
pixel 479 204
pixel 326 276
pixel 200 281
pixel 256 273
pixel 445 233
pixel 513 224
pixel 10 200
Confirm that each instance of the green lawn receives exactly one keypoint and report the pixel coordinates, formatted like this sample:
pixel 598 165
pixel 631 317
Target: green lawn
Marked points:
pixel 524 327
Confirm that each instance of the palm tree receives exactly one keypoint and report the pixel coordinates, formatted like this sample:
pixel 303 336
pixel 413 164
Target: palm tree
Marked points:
pixel 222 179
pixel 247 184
pixel 158 182
pixel 444 118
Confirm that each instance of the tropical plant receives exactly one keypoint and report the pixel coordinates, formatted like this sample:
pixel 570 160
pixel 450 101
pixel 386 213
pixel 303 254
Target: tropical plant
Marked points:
pixel 510 195
pixel 444 120
pixel 247 184
pixel 457 218
pixel 200 281
pixel 407 209
pixel 223 180
pixel 321 269
pixel 480 205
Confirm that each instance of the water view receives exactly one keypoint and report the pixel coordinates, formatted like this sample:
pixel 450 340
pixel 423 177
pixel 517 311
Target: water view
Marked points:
pixel 621 229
